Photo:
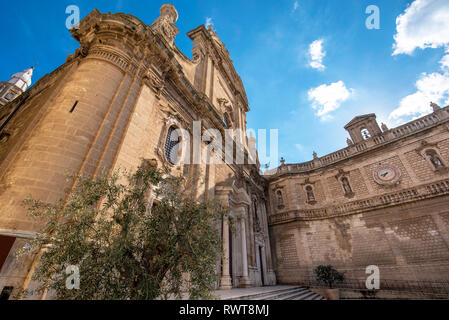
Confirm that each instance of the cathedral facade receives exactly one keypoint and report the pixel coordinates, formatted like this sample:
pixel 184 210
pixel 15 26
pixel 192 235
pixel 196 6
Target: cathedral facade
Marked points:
pixel 124 92
pixel 116 100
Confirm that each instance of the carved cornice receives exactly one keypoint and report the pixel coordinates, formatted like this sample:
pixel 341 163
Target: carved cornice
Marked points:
pixel 427 191
pixel 112 56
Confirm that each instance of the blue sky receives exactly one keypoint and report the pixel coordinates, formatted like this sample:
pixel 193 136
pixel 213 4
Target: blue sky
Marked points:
pixel 355 71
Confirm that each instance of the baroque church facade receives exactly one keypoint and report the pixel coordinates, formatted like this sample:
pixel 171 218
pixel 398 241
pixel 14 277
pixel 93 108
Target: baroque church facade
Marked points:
pixel 118 99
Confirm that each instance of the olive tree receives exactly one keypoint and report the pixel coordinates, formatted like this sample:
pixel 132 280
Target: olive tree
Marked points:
pixel 123 246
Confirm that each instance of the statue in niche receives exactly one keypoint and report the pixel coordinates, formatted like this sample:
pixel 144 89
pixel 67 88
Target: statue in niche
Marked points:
pixel 435 160
pixel 310 195
pixel 280 198
pixel 346 186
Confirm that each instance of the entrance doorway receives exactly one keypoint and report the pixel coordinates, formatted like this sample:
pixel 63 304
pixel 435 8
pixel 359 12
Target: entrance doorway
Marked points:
pixel 6 244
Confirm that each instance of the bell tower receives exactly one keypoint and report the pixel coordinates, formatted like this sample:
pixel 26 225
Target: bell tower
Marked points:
pixel 17 85
pixel 363 128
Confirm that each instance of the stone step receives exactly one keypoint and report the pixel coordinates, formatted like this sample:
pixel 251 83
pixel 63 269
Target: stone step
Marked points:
pixel 309 295
pixel 281 295
pixel 262 295
pixel 299 295
pixel 270 293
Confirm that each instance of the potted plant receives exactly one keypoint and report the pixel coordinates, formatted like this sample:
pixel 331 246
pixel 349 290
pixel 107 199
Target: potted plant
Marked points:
pixel 329 276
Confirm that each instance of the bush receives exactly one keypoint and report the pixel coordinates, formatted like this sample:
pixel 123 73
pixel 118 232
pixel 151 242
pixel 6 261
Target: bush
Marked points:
pixel 328 275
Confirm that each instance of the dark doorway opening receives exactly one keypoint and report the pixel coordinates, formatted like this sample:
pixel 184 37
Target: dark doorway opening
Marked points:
pixel 6 244
pixel 6 293
pixel 231 272
pixel 262 271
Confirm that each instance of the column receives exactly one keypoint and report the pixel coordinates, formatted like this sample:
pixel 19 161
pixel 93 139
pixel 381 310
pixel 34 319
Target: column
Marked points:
pixel 245 280
pixel 226 281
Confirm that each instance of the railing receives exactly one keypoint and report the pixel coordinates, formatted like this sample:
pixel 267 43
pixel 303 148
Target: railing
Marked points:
pixel 413 126
pixel 412 286
pixel 421 192
pixel 393 134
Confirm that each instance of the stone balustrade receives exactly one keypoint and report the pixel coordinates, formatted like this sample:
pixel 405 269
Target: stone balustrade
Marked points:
pixel 389 136
pixel 403 196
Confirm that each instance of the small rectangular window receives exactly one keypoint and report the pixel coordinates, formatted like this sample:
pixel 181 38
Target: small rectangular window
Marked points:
pixel 74 106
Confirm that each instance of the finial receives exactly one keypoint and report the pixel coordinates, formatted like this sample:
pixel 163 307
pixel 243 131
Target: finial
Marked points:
pixel 169 11
pixel 282 161
pixel 315 155
pixel 384 127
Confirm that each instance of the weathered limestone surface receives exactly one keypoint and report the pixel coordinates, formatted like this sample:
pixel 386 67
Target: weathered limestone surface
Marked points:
pixel 381 201
pixel 399 224
pixel 112 104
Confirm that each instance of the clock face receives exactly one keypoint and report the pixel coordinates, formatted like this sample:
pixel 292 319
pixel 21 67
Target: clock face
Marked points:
pixel 387 175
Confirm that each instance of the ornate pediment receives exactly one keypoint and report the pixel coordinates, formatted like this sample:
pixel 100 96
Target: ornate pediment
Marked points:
pixel 225 106
pixel 307 182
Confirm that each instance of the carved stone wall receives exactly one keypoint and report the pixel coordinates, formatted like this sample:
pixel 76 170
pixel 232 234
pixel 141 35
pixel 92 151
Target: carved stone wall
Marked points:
pixel 398 223
pixel 111 105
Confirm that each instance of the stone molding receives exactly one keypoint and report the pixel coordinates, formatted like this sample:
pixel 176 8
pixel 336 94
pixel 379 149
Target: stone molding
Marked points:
pixel 409 129
pixel 422 192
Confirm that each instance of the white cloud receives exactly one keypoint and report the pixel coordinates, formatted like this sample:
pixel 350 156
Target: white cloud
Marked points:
pixel 327 98
pixel 433 87
pixel 209 22
pixel 316 55
pixel 424 24
pixel 295 6
pixel 445 62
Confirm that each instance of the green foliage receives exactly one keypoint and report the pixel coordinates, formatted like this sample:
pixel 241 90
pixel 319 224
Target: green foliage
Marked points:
pixel 328 275
pixel 124 249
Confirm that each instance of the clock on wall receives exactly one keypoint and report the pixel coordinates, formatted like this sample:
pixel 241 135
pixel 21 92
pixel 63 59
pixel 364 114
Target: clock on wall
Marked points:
pixel 387 175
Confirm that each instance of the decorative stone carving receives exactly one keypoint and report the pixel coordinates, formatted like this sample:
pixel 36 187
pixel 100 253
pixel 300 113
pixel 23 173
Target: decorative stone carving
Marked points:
pixel 308 182
pixel 165 24
pixel 155 82
pixel 82 52
pixel 435 106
